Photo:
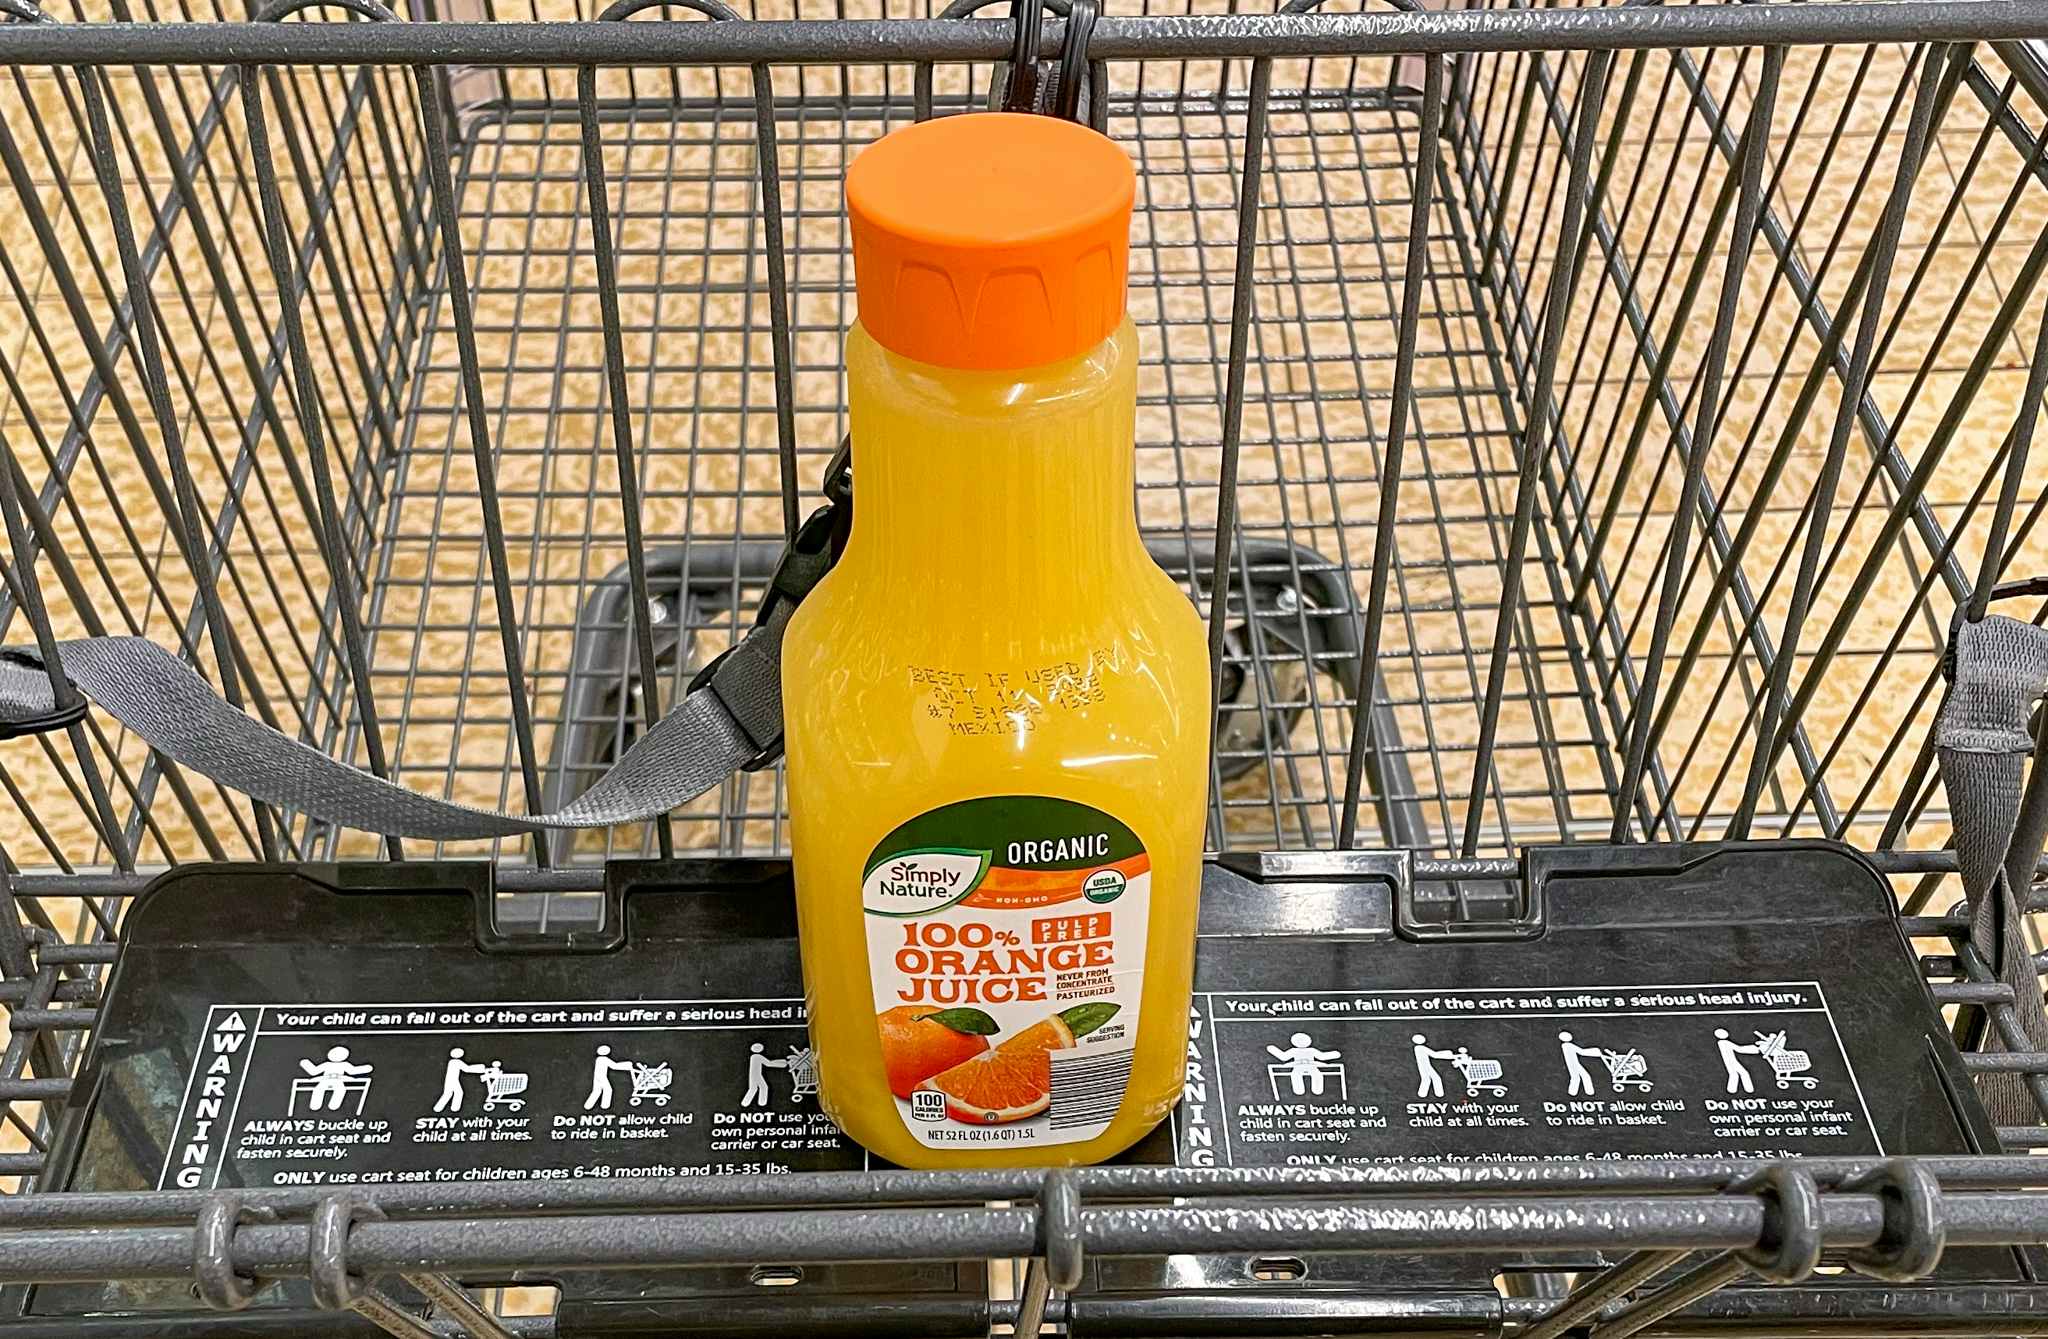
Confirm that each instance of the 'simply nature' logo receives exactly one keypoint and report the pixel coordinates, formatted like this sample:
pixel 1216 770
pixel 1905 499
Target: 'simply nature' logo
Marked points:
pixel 919 882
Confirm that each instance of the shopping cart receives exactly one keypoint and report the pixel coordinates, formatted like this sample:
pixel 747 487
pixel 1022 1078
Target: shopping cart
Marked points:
pixel 1481 1076
pixel 803 1073
pixel 1627 1069
pixel 650 1084
pixel 502 1089
pixel 1789 1067
pixel 1579 425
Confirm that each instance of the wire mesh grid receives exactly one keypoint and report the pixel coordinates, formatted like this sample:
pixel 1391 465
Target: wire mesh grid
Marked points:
pixel 1574 589
pixel 1325 264
pixel 691 283
pixel 1326 278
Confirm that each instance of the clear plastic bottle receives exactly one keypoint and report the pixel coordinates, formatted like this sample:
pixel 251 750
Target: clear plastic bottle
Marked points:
pixel 996 705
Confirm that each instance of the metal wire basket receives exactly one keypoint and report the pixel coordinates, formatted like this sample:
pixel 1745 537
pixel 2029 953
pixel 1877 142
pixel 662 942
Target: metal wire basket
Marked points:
pixel 1578 424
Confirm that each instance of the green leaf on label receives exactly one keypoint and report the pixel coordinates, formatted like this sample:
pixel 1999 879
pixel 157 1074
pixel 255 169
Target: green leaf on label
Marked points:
pixel 971 1021
pixel 1083 1019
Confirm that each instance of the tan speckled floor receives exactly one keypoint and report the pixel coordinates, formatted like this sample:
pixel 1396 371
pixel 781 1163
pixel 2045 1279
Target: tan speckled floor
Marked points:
pixel 1328 280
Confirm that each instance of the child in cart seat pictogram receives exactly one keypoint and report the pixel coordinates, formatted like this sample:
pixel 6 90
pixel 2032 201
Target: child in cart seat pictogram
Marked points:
pixel 1305 1067
pixel 331 1081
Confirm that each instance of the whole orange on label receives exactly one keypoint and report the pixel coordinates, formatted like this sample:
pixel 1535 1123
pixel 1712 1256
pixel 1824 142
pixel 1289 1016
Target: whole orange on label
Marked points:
pixel 920 1042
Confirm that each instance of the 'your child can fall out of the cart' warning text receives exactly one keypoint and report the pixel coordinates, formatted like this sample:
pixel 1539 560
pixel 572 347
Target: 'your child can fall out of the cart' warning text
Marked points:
pixel 1718 1069
pixel 284 1095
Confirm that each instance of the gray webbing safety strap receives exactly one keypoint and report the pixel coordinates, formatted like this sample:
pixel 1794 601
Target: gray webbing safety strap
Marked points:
pixel 729 720
pixel 2000 816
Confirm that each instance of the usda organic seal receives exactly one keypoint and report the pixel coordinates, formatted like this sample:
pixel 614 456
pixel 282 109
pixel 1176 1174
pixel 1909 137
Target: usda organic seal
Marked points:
pixel 1104 885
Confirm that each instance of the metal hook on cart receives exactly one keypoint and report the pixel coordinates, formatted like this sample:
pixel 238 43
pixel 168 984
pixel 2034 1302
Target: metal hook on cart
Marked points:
pixel 366 9
pixel 1069 85
pixel 626 9
pixel 336 1287
pixel 1915 1223
pixel 1059 1208
pixel 1790 1246
pixel 1059 1223
pixel 214 1277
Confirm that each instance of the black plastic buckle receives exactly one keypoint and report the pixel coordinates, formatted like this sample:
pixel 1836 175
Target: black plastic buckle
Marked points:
pixel 70 708
pixel 1049 87
pixel 809 555
pixel 818 542
pixel 838 484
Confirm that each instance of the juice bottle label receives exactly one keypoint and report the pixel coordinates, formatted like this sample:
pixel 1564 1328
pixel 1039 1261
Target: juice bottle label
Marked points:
pixel 1006 942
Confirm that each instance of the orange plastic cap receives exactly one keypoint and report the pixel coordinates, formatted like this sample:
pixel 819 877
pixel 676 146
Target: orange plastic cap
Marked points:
pixel 991 240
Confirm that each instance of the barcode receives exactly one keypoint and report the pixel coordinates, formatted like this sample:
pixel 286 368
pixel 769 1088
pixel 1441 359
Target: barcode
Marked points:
pixel 1087 1089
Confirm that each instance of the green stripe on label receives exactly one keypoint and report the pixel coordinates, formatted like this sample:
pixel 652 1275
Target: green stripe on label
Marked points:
pixel 1035 832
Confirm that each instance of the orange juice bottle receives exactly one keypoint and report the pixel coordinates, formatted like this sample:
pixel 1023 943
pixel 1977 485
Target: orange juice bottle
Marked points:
pixel 996 705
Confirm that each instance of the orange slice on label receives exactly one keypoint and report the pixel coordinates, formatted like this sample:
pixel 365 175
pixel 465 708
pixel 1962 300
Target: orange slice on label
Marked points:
pixel 1002 1086
pixel 1052 1034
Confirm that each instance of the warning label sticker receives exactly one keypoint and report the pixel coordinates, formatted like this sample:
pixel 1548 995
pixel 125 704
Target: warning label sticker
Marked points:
pixel 1751 1069
pixel 368 1094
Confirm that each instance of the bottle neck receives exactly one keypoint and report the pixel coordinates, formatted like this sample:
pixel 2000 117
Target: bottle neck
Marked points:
pixel 1021 485
pixel 1016 504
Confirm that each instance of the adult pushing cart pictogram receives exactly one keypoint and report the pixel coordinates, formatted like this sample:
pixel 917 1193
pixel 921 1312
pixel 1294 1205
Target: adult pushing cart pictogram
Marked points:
pixel 649 1082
